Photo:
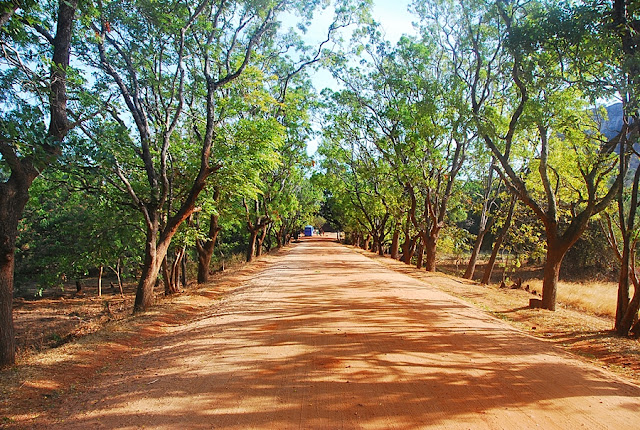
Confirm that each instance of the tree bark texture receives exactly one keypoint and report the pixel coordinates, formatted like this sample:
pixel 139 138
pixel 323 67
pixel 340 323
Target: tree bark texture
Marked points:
pixel 473 260
pixel 205 250
pixel 395 243
pixel 550 279
pixel 430 246
pixel 150 268
pixel 260 240
pixel 419 255
pixel 253 236
pixel 631 313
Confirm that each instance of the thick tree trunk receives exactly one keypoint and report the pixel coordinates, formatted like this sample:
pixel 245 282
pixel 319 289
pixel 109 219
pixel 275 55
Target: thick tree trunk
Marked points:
pixel 550 278
pixel 375 243
pixel 419 255
pixel 431 248
pixel 365 243
pixel 631 314
pixel 13 198
pixel 155 253
pixel 395 243
pixel 7 337
pixel 408 249
pixel 144 292
pixel 205 250
pixel 204 262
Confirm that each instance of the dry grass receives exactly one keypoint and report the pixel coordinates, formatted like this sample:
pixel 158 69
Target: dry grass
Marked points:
pixel 595 297
pixel 598 298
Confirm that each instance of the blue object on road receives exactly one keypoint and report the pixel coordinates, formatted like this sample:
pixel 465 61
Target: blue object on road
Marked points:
pixel 308 230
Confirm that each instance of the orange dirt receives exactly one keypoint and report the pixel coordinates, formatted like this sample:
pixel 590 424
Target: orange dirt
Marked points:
pixel 320 336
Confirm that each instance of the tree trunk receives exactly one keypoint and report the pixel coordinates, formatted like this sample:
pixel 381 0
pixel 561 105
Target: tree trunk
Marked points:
pixel 153 257
pixel 631 313
pixel 175 271
pixel 550 278
pixel 365 243
pixel 144 292
pixel 260 241
pixel 430 248
pixel 628 256
pixel 205 250
pixel 280 237
pixel 488 270
pixel 118 272
pixel 409 249
pixel 100 280
pixel 13 198
pixel 419 255
pixel 374 246
pixel 204 262
pixel 253 235
pixel 183 268
pixel 7 244
pixel 395 243
pixel 622 303
pixel 471 267
pixel 380 246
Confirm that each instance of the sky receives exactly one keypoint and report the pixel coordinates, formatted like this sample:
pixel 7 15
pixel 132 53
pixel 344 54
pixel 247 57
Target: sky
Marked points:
pixel 395 21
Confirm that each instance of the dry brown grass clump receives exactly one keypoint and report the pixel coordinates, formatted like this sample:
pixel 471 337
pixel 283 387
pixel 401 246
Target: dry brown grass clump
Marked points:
pixel 595 297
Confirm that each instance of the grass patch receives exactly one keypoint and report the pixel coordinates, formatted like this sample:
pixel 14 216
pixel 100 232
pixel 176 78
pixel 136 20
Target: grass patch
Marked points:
pixel 597 298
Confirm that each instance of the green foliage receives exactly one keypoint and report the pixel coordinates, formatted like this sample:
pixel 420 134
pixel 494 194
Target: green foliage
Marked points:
pixel 410 120
pixel 70 226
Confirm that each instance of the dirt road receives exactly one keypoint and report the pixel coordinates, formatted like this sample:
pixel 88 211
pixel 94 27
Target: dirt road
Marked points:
pixel 325 338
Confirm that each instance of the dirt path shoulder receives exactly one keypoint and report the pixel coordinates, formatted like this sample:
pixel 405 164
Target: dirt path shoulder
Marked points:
pixel 326 338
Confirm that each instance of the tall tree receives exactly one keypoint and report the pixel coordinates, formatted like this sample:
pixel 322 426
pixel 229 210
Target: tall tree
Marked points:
pixel 619 23
pixel 529 112
pixel 152 61
pixel 26 145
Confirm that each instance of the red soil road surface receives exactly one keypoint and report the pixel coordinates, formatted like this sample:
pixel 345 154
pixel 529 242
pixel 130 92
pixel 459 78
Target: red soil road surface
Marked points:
pixel 325 338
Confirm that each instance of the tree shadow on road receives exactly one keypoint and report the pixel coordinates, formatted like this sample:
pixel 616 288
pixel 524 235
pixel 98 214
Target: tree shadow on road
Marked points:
pixel 343 343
